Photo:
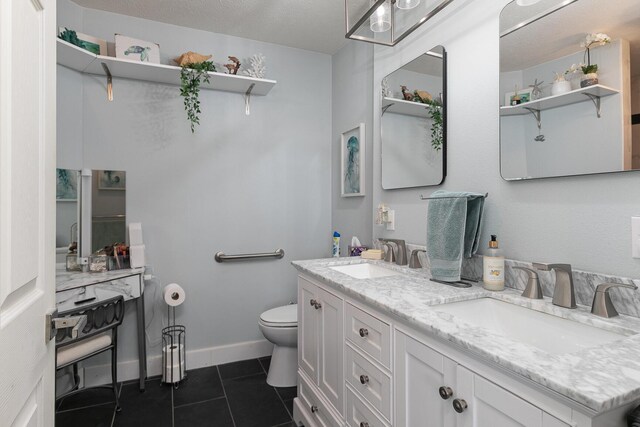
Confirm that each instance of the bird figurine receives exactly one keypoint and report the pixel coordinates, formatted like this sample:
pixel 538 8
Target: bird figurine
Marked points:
pixel 234 66
pixel 408 96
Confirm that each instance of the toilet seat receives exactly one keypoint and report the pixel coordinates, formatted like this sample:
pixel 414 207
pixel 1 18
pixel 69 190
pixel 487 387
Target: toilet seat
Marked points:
pixel 281 317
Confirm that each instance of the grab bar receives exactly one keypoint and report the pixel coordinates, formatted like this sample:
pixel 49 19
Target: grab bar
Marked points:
pixel 221 257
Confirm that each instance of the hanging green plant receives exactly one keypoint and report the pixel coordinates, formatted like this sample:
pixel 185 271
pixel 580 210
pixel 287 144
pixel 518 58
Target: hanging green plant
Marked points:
pixel 434 108
pixel 70 36
pixel 192 76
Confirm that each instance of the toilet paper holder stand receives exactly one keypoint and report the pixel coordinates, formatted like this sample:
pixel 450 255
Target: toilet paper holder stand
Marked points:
pixel 174 365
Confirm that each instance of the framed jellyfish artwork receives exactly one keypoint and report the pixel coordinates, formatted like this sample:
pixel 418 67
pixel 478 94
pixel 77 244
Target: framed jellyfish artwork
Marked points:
pixel 353 158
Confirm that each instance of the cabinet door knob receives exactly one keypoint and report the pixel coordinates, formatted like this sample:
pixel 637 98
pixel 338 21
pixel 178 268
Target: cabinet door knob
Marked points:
pixel 364 424
pixel 318 306
pixel 363 332
pixel 314 409
pixel 313 303
pixel 460 405
pixel 364 379
pixel 445 392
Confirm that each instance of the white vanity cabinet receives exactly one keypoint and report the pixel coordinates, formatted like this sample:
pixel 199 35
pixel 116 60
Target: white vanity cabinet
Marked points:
pixel 430 387
pixel 321 345
pixel 362 368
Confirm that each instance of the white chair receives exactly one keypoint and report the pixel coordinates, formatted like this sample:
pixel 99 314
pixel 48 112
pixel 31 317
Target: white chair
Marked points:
pixel 100 334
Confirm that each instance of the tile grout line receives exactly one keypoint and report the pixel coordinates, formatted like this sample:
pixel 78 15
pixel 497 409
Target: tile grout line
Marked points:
pixel 198 402
pixel 277 393
pixel 225 396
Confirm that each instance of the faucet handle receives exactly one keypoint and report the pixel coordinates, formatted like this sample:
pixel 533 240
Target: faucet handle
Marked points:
pixel 548 267
pixel 414 261
pixel 602 305
pixel 390 254
pixel 533 289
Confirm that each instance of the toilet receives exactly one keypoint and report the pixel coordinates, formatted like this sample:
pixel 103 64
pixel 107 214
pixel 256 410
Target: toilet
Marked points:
pixel 280 326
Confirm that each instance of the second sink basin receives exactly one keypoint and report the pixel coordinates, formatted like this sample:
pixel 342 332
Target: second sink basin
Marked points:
pixel 365 271
pixel 547 332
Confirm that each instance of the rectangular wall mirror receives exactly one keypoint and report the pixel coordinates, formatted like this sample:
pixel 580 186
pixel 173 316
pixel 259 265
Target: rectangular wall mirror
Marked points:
pixel 569 88
pixel 108 208
pixel 413 123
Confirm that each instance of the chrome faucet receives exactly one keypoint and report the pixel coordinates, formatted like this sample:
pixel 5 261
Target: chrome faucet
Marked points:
pixel 400 251
pixel 390 253
pixel 563 292
pixel 414 259
pixel 602 305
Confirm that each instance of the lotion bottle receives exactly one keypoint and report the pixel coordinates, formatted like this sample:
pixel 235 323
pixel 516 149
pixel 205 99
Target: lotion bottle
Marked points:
pixel 493 267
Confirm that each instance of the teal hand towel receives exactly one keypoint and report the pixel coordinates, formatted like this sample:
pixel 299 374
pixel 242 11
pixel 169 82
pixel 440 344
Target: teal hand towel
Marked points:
pixel 453 231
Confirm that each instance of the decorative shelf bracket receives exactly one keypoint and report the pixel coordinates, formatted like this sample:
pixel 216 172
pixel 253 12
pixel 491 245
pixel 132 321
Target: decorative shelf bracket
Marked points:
pixel 596 101
pixel 109 82
pixel 385 108
pixel 247 100
pixel 537 115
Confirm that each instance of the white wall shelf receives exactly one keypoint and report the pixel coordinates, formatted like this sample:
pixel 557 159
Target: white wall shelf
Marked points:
pixel 408 108
pixel 593 93
pixel 81 60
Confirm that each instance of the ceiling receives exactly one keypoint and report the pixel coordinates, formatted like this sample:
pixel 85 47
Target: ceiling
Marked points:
pixel 560 33
pixel 316 25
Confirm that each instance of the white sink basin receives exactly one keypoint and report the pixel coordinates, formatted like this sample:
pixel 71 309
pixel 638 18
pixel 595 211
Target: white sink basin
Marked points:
pixel 365 271
pixel 547 332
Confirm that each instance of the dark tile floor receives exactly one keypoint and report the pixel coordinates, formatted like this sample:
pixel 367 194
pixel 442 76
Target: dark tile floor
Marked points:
pixel 231 395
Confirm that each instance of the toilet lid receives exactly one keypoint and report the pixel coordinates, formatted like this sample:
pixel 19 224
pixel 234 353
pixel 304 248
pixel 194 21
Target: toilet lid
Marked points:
pixel 281 316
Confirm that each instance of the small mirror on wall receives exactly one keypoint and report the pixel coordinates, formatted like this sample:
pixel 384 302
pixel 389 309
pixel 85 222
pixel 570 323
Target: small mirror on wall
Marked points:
pixel 413 123
pixel 569 88
pixel 108 208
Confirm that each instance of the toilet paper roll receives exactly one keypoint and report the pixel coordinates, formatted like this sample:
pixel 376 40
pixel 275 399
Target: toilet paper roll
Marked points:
pixel 173 372
pixel 174 295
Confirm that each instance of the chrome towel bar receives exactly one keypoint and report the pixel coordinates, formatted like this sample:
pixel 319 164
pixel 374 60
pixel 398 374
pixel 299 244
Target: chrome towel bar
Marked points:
pixel 221 257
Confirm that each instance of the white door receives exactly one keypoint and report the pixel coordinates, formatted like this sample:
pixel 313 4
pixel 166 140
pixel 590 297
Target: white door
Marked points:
pixel 487 405
pixel 331 335
pixel 420 374
pixel 27 210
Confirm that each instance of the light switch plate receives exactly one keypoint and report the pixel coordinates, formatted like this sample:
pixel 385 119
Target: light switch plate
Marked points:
pixel 391 225
pixel 635 236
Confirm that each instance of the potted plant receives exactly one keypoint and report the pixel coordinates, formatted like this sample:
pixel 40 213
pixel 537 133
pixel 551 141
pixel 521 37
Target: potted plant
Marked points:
pixel 560 84
pixel 590 70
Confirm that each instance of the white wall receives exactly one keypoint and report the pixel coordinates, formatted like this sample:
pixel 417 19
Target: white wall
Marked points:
pixel 352 101
pixel 584 220
pixel 239 184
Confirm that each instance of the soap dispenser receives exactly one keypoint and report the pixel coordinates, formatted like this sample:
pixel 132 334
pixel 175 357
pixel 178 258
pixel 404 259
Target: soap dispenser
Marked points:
pixel 493 266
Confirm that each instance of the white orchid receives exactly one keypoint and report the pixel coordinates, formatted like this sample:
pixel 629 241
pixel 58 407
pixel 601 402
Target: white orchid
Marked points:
pixel 595 39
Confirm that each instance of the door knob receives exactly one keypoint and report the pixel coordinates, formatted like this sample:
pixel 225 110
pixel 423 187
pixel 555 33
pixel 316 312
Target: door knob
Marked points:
pixel 363 332
pixel 445 392
pixel 314 409
pixel 364 379
pixel 313 302
pixel 460 405
pixel 364 424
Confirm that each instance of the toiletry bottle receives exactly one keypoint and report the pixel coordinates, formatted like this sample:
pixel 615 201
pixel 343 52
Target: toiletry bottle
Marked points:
pixel 493 267
pixel 335 252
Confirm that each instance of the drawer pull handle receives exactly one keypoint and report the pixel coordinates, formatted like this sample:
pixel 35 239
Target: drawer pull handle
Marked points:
pixel 445 392
pixel 364 424
pixel 460 405
pixel 363 332
pixel 364 379
pixel 314 409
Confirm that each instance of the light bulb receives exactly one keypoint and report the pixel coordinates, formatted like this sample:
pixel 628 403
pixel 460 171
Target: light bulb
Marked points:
pixel 407 4
pixel 380 20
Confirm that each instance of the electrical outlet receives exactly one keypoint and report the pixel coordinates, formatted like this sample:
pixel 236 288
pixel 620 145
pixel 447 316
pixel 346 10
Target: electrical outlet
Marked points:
pixel 635 236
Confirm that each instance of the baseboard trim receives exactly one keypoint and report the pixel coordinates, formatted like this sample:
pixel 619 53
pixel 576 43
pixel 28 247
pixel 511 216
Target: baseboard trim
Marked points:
pixel 199 358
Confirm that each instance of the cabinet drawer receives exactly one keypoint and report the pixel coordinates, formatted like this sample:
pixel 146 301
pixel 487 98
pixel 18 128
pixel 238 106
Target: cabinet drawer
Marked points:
pixel 129 287
pixel 359 414
pixel 315 405
pixel 372 384
pixel 370 334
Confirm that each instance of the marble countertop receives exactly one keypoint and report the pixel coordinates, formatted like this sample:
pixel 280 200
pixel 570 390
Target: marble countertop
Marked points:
pixel 66 280
pixel 600 378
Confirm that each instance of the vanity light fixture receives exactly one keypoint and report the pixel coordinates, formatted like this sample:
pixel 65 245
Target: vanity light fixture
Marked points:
pixel 390 21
